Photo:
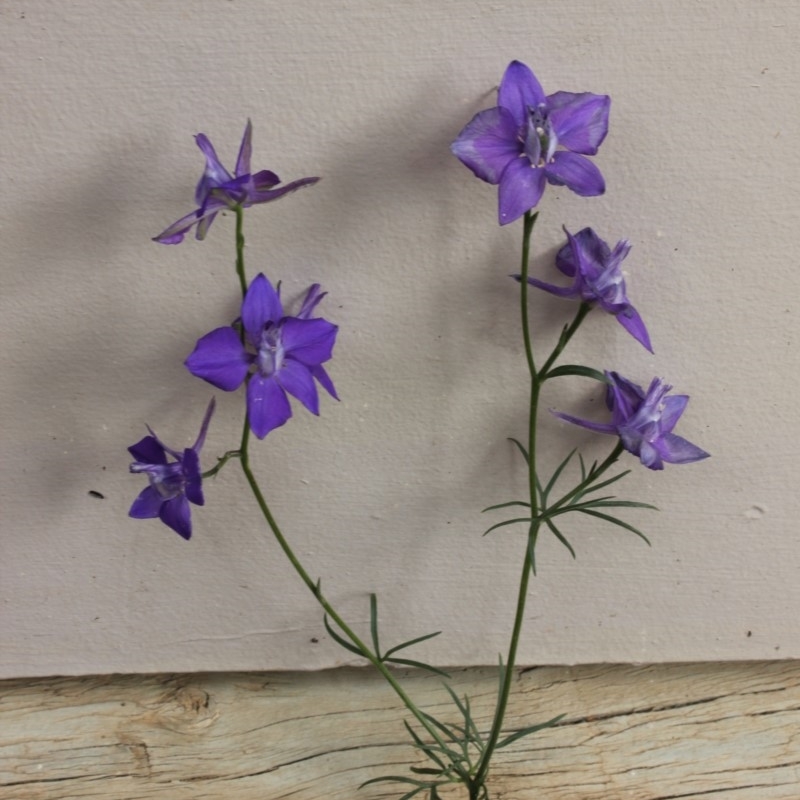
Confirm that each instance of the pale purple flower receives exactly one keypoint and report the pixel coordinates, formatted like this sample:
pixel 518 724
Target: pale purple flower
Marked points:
pixel 517 143
pixel 218 190
pixel 644 422
pixel 285 352
pixel 597 278
pixel 173 484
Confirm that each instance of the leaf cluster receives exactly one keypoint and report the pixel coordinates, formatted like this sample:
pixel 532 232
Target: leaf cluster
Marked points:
pixel 389 656
pixel 457 759
pixel 581 499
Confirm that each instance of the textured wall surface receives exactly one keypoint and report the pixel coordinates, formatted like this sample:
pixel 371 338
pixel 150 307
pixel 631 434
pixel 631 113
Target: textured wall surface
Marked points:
pixel 383 491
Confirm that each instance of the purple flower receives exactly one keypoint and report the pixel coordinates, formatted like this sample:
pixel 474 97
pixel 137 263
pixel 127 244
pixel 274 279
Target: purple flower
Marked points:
pixel 173 484
pixel 644 422
pixel 597 278
pixel 219 190
pixel 288 356
pixel 516 144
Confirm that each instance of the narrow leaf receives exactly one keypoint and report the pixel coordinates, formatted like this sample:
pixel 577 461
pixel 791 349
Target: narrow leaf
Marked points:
pixel 603 484
pixel 467 714
pixel 506 505
pixel 552 482
pixel 373 623
pixel 338 639
pixel 507 522
pixel 407 662
pixel 521 448
pixel 422 746
pixel 528 731
pixel 409 643
pixel 576 369
pixel 609 503
pixel 560 536
pixel 615 521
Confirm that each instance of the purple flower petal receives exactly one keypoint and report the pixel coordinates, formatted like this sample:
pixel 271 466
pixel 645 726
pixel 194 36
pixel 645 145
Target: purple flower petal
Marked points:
pixel 310 301
pixel 175 514
pixel 519 92
pixel 598 427
pixel 267 406
pixel 214 173
pixel 309 341
pixel 676 450
pixel 201 437
pixel 174 233
pixel 220 359
pixel 325 382
pixel 630 320
pixel 261 305
pixel 245 151
pixel 488 144
pixel 521 188
pixel 671 409
pixel 147 504
pixel 148 451
pixel 575 172
pixel 559 291
pixel 296 379
pixel 194 480
pixel 266 196
pixel 265 180
pixel 579 120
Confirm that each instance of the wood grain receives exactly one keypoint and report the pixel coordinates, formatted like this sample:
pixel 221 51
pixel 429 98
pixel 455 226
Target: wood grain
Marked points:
pixel 721 731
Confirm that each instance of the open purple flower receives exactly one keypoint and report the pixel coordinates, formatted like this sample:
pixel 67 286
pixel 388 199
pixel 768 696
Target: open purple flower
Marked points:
pixel 597 278
pixel 219 190
pixel 173 484
pixel 516 144
pixel 644 422
pixel 288 355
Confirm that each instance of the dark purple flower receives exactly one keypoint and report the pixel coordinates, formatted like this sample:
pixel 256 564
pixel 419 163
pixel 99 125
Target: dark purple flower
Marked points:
pixel 288 357
pixel 516 144
pixel 219 190
pixel 597 278
pixel 644 422
pixel 173 484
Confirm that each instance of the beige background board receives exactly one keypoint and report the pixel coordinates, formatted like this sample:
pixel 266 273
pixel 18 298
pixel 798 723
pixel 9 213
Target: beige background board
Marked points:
pixel 383 491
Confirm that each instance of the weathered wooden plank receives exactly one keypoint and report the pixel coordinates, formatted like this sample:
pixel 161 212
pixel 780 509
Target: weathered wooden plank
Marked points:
pixel 731 731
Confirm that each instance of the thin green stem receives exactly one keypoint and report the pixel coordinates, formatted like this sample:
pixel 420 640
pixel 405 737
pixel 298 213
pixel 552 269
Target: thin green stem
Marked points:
pixel 478 780
pixel 314 588
pixel 566 335
pixel 527 230
pixel 239 211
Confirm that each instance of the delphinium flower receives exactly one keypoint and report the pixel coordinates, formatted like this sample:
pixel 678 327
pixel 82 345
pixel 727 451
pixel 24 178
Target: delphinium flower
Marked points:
pixel 644 422
pixel 597 278
pixel 285 352
pixel 219 190
pixel 173 484
pixel 530 139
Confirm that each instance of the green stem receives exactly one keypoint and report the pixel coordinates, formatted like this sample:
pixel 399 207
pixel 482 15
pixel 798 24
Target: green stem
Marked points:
pixel 478 780
pixel 239 211
pixel 527 230
pixel 566 335
pixel 314 588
